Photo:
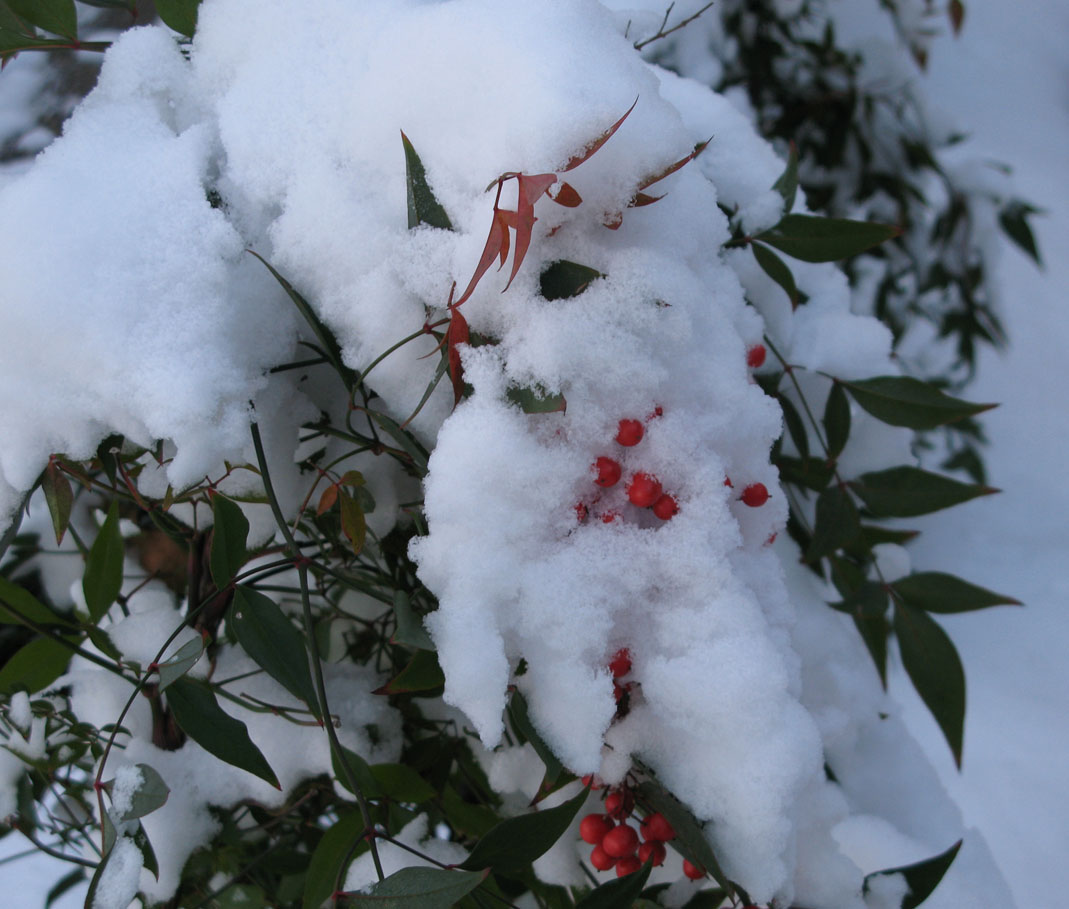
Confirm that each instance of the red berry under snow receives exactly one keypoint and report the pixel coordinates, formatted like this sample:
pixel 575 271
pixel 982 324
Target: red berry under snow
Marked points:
pixel 627 865
pixel 652 849
pixel 755 356
pixel 593 827
pixel 692 871
pixel 666 507
pixel 644 490
pixel 600 859
pixel 755 495
pixel 629 433
pixel 580 511
pixel 656 827
pixel 619 804
pixel 620 664
pixel 608 472
pixel 620 841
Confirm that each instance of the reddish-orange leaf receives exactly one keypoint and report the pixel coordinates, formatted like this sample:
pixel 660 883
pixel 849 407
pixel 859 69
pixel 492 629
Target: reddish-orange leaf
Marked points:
pixel 531 188
pixel 614 220
pixel 457 333
pixel 566 196
pixel 640 199
pixel 672 168
pixel 496 245
pixel 327 500
pixel 592 148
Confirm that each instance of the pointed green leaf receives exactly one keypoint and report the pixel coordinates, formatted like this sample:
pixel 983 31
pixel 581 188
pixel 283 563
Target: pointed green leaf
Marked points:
pixel 1014 222
pixel 777 270
pixel 230 533
pixel 418 888
pixel 18 606
pixel 563 279
pixel 67 882
pixel 836 420
pixel 516 842
pixel 402 783
pixel 619 893
pixel 905 492
pixel 814 239
pixel 266 635
pixel 108 454
pixel 934 591
pixel 421 674
pixel 103 567
pixel 56 16
pixel 353 522
pixel 423 207
pixel 523 727
pixel 59 496
pixel 181 15
pixel 536 400
pixel 787 184
pixel 148 854
pixel 183 659
pixel 814 473
pixel 409 444
pixel 933 665
pixel 410 630
pixel 867 605
pixel 200 717
pixel 35 666
pixel 922 877
pixel 330 855
pixel 837 523
pixel 793 421
pixel 904 401
pixel 150 794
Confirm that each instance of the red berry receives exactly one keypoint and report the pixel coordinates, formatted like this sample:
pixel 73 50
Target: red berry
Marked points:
pixel 658 411
pixel 656 827
pixel 592 781
pixel 620 841
pixel 627 865
pixel 755 495
pixel 629 433
pixel 608 472
pixel 619 804
pixel 580 511
pixel 666 507
pixel 600 859
pixel 727 482
pixel 609 517
pixel 644 490
pixel 620 664
pixel 755 356
pixel 692 871
pixel 654 849
pixel 593 828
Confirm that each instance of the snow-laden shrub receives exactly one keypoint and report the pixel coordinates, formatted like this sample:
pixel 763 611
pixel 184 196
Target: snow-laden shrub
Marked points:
pixel 337 553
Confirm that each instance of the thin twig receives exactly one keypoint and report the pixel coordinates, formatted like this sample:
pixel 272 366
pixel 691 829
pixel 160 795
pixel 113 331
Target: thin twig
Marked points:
pixel 662 33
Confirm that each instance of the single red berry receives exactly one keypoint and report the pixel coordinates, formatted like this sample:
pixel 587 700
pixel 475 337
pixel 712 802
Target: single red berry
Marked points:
pixel 580 511
pixel 666 507
pixel 608 472
pixel 600 859
pixel 627 865
pixel 644 490
pixel 593 828
pixel 755 356
pixel 656 827
pixel 727 482
pixel 629 433
pixel 619 804
pixel 692 871
pixel 654 849
pixel 620 664
pixel 620 841
pixel 755 495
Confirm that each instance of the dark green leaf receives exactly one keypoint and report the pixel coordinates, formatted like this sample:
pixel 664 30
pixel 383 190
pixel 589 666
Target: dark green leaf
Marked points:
pixel 516 842
pixel 148 854
pixel 150 794
pixel 181 15
pixel 401 783
pixel 266 635
pixel 905 492
pixel 201 718
pixel 563 279
pixel 904 401
pixel 1014 221
pixel 934 591
pixel 421 674
pixel 59 496
pixel 108 455
pixel 65 883
pixel 813 474
pixel 619 893
pixel 706 899
pixel 836 420
pixel 814 239
pixel 968 460
pixel 795 426
pixel 423 207
pixel 522 725
pixel 353 522
pixel 536 400
pixel 360 770
pixel 419 888
pixel 836 525
pixel 24 606
pixel 408 442
pixel 230 533
pixel 183 659
pixel 35 666
pixel 473 820
pixel 325 866
pixel 777 270
pixel 103 567
pixel 922 877
pixel 867 605
pixel 787 184
pixel 410 630
pixel 934 667
pixel 56 16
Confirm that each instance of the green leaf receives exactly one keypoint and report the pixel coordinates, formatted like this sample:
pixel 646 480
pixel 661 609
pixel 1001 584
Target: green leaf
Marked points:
pixel 410 630
pixel 795 426
pixel 814 239
pixel 150 795
pixel 35 666
pixel 361 771
pixel 421 674
pixel 619 893
pixel 836 420
pixel 353 522
pixel 423 207
pixel 933 665
pixel 690 840
pixel 563 279
pixel 56 16
pixel 522 725
pixel 419 888
pixel 401 783
pixel 200 717
pixel 904 401
pixel 230 533
pixel 59 496
pixel 837 523
pixel 183 659
pixel 103 567
pixel 1014 222
pixel 108 455
pixel 934 591
pixel 181 15
pixel 867 605
pixel 67 882
pixel 266 635
pixel 707 899
pixel 408 442
pixel 148 854
pixel 813 474
pixel 516 842
pixel 905 492
pixel 26 605
pixel 777 270
pixel 922 877
pixel 326 864
pixel 787 184
pixel 536 400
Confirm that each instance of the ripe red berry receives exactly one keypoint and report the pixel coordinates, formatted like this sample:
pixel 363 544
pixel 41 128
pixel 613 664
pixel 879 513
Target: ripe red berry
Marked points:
pixel 656 827
pixel 644 490
pixel 580 511
pixel 620 664
pixel 666 507
pixel 620 841
pixel 652 849
pixel 755 495
pixel 593 827
pixel 627 865
pixel 619 803
pixel 755 356
pixel 608 472
pixel 600 859
pixel 629 433
pixel 692 871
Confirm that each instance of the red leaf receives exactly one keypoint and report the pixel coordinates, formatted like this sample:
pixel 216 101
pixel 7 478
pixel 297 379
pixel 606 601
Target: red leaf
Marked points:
pixel 456 333
pixel 566 196
pixel 497 244
pixel 586 153
pixel 640 199
pixel 672 168
pixel 531 188
pixel 614 220
pixel 327 500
